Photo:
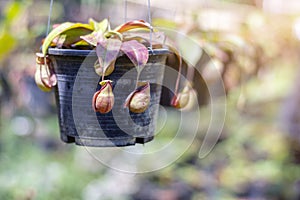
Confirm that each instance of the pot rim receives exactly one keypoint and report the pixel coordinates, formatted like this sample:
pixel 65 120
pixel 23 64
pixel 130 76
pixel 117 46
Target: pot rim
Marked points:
pixel 85 53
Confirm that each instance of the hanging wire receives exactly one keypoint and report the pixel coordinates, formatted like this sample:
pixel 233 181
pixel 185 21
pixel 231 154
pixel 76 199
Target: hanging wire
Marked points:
pixel 125 11
pixel 49 18
pixel 47 32
pixel 150 22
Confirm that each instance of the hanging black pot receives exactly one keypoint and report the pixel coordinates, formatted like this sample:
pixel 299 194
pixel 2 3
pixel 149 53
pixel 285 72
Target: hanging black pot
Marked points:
pixel 77 82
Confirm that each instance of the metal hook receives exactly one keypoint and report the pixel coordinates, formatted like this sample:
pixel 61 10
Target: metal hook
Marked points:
pixel 150 22
pixel 125 11
pixel 49 18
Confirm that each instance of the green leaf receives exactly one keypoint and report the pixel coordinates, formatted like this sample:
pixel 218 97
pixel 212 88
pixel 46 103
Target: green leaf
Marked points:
pixel 109 34
pixel 61 29
pixel 80 43
pixel 99 26
pixel 71 36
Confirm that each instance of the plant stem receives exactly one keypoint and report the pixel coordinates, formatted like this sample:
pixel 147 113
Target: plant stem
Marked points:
pixel 137 78
pixel 103 71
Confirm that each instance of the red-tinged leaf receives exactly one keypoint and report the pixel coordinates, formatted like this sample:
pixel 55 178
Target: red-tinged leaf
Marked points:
pixel 136 24
pixel 61 29
pixel 107 51
pixel 136 52
pixel 93 37
pixel 97 35
pixel 158 38
pixel 59 41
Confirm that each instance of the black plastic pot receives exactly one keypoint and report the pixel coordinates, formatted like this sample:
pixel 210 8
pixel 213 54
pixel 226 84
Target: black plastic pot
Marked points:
pixel 77 83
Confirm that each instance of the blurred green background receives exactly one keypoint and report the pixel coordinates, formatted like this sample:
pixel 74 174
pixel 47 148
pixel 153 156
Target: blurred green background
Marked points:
pixel 253 43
